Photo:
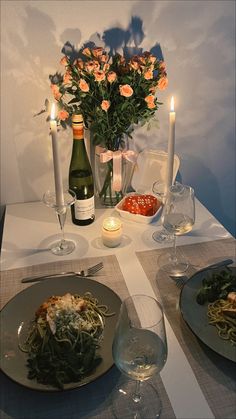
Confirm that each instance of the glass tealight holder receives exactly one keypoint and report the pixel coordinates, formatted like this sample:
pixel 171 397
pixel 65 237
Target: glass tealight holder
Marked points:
pixel 111 232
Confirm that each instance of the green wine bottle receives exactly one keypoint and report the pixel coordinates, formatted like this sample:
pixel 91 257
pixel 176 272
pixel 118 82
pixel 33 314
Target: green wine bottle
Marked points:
pixel 81 177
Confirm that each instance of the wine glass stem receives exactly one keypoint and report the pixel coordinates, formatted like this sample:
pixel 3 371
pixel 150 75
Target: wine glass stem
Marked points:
pixel 174 256
pixel 137 394
pixel 62 218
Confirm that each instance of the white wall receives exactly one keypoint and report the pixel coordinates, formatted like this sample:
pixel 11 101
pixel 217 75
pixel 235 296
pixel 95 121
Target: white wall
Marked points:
pixel 197 40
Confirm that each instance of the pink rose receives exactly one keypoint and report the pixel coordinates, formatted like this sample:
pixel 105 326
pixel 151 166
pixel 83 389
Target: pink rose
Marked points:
pixel 149 98
pixel 162 83
pixel 55 90
pixel 134 63
pixel 111 77
pixel 105 105
pixel 126 90
pixel 150 101
pixel 152 59
pixel 96 65
pixel 99 75
pixel 79 63
pixel 62 115
pixel 83 85
pixel 142 60
pixel 67 78
pixel 87 52
pixel 89 66
pixel 97 52
pixel 106 67
pixel 148 75
pixel 64 60
pixel 104 58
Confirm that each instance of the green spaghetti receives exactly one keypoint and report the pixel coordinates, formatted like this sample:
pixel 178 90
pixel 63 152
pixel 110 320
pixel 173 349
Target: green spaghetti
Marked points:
pixel 63 339
pixel 219 316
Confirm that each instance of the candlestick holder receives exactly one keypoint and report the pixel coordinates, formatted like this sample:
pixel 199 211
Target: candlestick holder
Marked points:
pixel 61 247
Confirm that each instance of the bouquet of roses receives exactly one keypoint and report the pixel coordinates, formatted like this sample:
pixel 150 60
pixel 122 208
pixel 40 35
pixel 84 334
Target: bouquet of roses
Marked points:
pixel 112 93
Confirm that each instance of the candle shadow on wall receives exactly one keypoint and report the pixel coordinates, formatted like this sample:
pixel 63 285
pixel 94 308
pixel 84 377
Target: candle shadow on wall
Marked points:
pixel 32 142
pixel 206 185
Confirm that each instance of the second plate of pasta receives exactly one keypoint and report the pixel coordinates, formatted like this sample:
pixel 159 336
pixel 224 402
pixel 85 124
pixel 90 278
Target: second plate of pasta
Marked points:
pixel 195 316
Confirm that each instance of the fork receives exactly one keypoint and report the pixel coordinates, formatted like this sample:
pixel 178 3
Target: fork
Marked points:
pixel 181 280
pixel 84 273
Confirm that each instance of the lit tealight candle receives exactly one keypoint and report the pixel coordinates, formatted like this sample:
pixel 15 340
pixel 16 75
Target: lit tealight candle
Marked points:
pixel 111 232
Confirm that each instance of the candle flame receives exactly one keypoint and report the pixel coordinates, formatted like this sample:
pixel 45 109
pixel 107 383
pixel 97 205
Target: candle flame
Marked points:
pixel 172 104
pixel 53 111
pixel 111 224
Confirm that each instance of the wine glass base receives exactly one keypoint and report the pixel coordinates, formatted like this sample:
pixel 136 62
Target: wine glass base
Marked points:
pixel 124 406
pixel 60 249
pixel 173 268
pixel 162 236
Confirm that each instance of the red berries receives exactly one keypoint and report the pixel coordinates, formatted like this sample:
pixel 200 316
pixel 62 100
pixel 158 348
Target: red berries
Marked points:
pixel 141 204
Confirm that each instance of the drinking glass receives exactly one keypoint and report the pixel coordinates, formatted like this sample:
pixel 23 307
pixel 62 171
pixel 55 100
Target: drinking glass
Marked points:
pixel 160 236
pixel 178 217
pixel 61 247
pixel 139 351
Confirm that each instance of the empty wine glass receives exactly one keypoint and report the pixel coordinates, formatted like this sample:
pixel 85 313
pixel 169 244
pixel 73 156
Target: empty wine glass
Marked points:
pixel 139 351
pixel 178 217
pixel 63 246
pixel 160 236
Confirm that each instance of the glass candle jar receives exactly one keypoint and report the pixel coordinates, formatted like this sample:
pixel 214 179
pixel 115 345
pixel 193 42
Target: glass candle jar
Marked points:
pixel 111 232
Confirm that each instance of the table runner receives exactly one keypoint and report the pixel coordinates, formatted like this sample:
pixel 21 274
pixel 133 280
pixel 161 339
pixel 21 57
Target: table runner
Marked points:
pixel 90 401
pixel 215 374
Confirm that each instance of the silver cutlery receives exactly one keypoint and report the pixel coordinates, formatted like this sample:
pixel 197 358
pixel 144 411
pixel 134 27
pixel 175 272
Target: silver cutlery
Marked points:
pixel 181 280
pixel 84 273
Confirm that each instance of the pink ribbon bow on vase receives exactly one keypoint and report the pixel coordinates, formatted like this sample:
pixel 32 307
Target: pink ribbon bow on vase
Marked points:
pixel 106 155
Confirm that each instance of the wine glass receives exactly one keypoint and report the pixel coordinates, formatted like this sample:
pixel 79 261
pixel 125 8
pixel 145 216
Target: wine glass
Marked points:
pixel 61 247
pixel 160 236
pixel 178 218
pixel 139 351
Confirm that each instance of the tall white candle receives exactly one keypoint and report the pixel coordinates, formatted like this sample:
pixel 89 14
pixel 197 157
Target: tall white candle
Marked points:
pixel 171 146
pixel 56 160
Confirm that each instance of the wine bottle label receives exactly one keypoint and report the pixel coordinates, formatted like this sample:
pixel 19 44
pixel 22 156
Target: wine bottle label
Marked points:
pixel 84 208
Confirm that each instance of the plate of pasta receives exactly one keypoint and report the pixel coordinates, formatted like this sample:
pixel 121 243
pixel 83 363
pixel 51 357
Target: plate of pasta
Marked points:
pixel 57 334
pixel 208 306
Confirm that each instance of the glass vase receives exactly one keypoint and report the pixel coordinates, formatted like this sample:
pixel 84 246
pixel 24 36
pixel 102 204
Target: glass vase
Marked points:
pixel 106 188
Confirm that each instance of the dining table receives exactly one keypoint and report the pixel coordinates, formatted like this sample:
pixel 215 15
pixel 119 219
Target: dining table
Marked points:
pixel 196 382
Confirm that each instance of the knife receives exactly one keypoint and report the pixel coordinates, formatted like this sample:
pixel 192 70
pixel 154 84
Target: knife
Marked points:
pixel 225 262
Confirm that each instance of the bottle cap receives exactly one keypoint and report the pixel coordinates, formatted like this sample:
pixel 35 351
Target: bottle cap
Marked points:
pixel 77 118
